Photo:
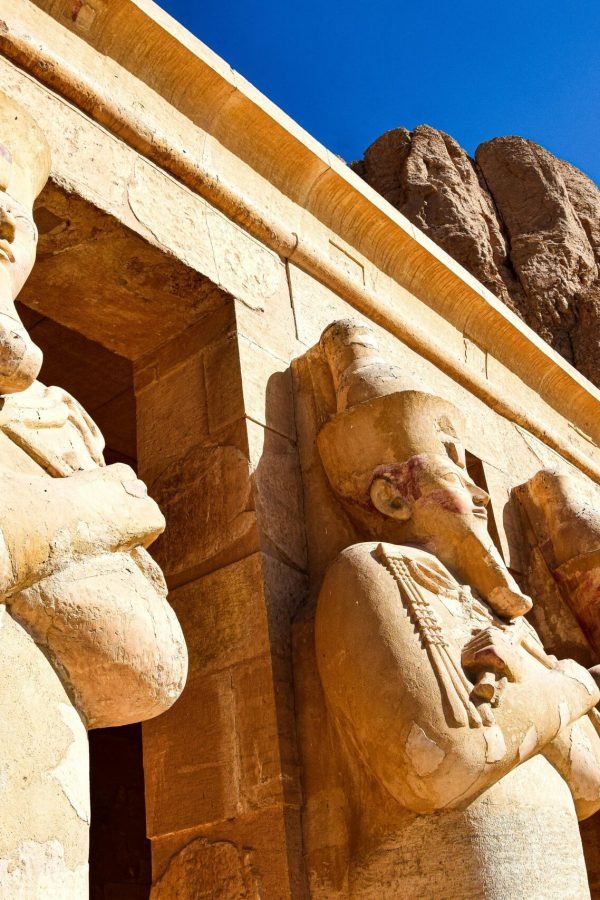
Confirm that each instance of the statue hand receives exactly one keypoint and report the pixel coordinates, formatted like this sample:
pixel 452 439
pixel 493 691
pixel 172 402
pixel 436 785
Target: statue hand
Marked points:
pixel 491 659
pixel 490 650
pixel 123 514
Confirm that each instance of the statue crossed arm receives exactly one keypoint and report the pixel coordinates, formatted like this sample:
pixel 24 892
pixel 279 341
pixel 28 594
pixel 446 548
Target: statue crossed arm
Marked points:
pixel 74 572
pixel 382 688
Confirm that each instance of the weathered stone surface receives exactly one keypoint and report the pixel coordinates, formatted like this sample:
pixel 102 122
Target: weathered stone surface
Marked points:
pixel 193 448
pixel 231 736
pixel 154 296
pixel 277 494
pixel 520 220
pixel 255 839
pixel 563 514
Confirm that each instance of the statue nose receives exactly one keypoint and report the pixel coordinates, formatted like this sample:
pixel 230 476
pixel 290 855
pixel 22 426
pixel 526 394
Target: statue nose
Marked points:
pixel 480 497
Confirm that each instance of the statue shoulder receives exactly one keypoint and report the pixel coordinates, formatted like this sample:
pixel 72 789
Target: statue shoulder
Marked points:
pixel 355 564
pixel 372 558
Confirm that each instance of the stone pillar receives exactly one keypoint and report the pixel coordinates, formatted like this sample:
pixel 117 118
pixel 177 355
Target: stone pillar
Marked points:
pixel 222 790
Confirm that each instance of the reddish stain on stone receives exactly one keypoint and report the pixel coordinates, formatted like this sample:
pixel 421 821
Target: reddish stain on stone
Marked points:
pixel 404 476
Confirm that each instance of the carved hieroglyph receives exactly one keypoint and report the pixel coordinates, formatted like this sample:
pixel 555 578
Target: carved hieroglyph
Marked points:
pixel 88 638
pixel 469 752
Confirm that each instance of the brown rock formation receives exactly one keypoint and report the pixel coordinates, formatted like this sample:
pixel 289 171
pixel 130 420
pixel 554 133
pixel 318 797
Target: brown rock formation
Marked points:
pixel 525 223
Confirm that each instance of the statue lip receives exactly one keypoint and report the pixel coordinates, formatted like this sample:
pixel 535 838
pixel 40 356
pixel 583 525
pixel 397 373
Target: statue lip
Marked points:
pixel 480 513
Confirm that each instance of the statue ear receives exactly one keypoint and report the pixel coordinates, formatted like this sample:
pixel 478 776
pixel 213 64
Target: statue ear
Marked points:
pixel 386 499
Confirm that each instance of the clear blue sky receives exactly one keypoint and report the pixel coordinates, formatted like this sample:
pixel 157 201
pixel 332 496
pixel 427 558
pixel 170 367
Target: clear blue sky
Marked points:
pixel 347 71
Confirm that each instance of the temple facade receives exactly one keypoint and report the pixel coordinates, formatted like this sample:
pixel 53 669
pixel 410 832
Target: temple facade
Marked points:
pixel 380 490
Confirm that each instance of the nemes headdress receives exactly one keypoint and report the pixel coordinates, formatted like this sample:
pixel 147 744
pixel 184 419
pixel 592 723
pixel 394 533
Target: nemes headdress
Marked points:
pixel 382 417
pixel 24 153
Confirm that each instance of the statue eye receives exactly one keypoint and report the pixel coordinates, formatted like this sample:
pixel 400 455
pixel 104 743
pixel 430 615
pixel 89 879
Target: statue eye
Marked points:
pixel 453 478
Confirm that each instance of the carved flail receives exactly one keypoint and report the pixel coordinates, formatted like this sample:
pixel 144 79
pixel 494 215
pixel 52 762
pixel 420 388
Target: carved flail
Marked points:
pixel 454 685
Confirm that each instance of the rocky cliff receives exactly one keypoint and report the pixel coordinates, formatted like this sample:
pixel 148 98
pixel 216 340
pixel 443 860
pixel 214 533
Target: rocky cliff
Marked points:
pixel 525 223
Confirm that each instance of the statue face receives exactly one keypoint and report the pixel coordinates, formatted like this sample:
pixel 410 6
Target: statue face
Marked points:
pixel 18 233
pixel 433 502
pixel 434 496
pixel 446 487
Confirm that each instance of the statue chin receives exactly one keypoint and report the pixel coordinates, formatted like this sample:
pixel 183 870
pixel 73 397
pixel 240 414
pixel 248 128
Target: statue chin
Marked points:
pixel 20 359
pixel 508 603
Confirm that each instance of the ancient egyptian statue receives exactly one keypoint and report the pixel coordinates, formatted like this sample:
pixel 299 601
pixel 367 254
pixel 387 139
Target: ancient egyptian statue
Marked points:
pixel 88 638
pixel 468 752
